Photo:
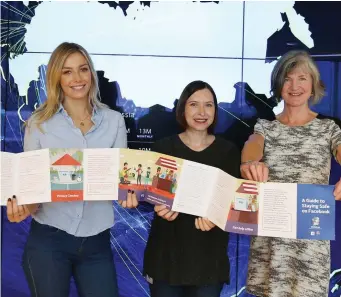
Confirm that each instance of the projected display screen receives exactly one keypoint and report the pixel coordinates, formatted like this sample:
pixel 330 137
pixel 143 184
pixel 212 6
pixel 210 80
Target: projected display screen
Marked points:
pixel 145 53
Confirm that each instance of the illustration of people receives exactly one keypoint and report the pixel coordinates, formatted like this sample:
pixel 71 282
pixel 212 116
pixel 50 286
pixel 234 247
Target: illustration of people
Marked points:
pixel 174 184
pixel 164 174
pixel 147 177
pixel 253 203
pixel 139 174
pixel 124 173
pixel 174 177
pixel 169 175
pixel 158 172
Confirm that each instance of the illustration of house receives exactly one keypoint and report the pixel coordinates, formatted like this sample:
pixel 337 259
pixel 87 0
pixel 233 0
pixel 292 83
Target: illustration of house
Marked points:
pixel 165 181
pixel 66 166
pixel 244 208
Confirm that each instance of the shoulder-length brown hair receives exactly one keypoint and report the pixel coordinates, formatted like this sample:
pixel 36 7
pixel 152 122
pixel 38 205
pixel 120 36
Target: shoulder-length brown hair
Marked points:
pixel 286 64
pixel 188 91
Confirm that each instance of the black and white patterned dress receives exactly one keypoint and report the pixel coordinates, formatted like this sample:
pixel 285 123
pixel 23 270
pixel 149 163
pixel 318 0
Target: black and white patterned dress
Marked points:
pixel 280 267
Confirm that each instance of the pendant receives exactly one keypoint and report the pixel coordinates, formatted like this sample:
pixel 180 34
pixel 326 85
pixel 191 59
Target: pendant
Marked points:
pixel 82 123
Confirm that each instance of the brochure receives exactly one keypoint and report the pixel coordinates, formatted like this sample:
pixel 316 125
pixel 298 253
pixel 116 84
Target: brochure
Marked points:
pixel 235 205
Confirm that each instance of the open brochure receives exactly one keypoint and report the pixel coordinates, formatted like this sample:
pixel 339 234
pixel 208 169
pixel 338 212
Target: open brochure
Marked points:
pixel 234 205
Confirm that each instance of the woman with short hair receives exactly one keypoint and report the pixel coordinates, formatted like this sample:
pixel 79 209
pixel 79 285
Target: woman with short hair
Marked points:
pixel 296 147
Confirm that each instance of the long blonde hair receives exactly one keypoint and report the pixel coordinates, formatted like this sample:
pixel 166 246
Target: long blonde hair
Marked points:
pixel 54 90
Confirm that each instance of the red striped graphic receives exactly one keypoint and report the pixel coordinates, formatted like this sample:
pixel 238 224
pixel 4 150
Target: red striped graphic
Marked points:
pixel 248 188
pixel 168 163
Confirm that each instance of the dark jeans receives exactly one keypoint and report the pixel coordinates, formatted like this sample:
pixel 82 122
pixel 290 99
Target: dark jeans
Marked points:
pixel 163 289
pixel 52 256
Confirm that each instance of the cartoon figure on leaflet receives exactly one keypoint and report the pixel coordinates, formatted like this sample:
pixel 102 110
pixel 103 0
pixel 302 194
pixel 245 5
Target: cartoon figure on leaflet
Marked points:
pixel 158 172
pixel 253 203
pixel 139 174
pixel 169 175
pixel 124 174
pixel 147 177
pixel 164 174
pixel 174 184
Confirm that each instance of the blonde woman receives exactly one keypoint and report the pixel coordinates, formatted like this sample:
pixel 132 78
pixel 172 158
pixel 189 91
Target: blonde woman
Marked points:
pixel 296 147
pixel 71 238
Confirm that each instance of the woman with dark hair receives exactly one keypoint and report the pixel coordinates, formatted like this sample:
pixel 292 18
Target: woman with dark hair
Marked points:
pixel 187 255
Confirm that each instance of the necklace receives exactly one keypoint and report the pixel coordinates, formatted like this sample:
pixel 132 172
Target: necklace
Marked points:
pixel 82 121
